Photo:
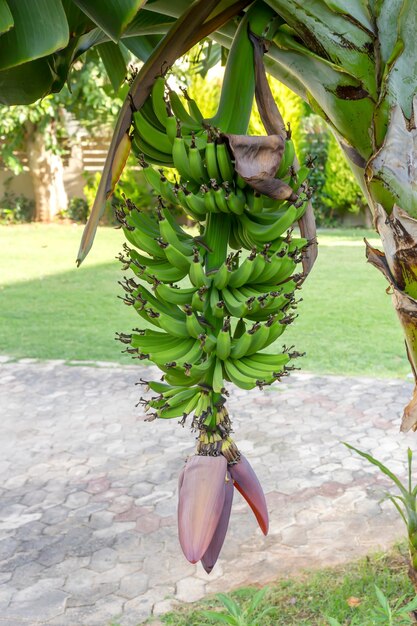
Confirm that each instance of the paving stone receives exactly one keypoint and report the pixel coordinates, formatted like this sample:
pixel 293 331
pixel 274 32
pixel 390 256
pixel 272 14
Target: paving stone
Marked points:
pixel 103 560
pixel 190 589
pixel 133 585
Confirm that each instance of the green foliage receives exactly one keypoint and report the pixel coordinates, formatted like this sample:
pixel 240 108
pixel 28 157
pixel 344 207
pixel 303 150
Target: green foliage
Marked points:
pixel 131 184
pixel 77 210
pixel 346 592
pixel 237 615
pixel 405 503
pixel 205 91
pixel 314 144
pixel 86 98
pixel 16 208
pixel 397 614
pixel 341 192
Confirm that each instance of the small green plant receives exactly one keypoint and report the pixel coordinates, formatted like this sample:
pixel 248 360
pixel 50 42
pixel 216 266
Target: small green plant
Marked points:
pixel 384 613
pixel 16 208
pixel 406 504
pixel 236 615
pixel 78 210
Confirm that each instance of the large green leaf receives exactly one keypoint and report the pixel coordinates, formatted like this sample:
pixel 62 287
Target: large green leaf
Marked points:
pixel 6 18
pixel 331 36
pixel 141 46
pixel 402 78
pixel 26 83
pixel 332 93
pixel 114 62
pixel 357 10
pixel 147 22
pixel 112 16
pixel 40 28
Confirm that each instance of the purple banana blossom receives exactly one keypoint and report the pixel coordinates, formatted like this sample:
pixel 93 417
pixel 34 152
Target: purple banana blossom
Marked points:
pixel 247 483
pixel 209 558
pixel 205 502
pixel 201 499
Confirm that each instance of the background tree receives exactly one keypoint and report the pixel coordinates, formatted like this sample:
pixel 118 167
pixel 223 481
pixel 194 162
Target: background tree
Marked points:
pixel 45 131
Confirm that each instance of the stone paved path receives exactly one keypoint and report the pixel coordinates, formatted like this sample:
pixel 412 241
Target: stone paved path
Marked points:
pixel 88 490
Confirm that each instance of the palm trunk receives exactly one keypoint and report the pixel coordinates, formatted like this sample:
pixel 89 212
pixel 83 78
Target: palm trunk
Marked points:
pixel 47 174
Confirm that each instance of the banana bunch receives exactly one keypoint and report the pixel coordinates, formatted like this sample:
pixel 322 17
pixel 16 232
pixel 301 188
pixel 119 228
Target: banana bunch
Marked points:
pixel 215 302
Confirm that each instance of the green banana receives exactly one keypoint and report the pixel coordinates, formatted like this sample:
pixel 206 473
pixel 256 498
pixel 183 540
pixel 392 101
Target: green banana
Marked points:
pixel 224 162
pixel 234 306
pixel 193 108
pixel 196 164
pixel 158 101
pixel 211 160
pixel 236 201
pixel 173 354
pixel 262 233
pixel 221 275
pixel 219 197
pixel 194 328
pixel 181 113
pixel 152 135
pixel 243 273
pixel 240 346
pixel 224 340
pixel 287 158
pixel 267 361
pixel 197 274
pixel 209 199
pixel 141 148
pixel 180 157
pixel 255 202
pixel 173 295
pixel 217 384
pixel 171 127
pixel 144 242
pixel 174 235
pixel 237 378
pixel 195 203
pixel 259 374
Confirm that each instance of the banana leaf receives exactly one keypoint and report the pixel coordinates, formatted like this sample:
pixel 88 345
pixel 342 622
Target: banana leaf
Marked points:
pixel 112 16
pixel 6 18
pixel 33 35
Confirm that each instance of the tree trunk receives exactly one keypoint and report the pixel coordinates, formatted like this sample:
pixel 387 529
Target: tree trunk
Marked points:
pixel 47 174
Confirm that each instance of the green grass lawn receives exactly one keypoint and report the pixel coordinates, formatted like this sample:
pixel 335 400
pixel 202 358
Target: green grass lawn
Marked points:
pixel 344 593
pixel 51 310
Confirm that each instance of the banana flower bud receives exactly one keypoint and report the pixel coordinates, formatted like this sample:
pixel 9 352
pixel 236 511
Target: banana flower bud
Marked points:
pixel 201 499
pixel 205 501
pixel 247 483
pixel 209 558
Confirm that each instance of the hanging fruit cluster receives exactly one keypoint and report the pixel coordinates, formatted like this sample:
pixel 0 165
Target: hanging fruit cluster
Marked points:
pixel 215 302
pixel 215 327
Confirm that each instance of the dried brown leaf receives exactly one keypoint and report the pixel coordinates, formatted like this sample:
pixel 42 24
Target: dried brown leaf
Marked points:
pixel 257 160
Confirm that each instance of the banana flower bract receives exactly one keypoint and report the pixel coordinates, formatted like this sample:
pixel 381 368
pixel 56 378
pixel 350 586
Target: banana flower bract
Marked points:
pixel 205 501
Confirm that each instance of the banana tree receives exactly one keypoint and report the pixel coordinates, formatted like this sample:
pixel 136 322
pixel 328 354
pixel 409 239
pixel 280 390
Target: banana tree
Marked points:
pixel 353 61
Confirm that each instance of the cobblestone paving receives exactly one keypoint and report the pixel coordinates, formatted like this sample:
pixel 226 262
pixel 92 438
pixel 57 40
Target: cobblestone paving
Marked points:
pixel 88 490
